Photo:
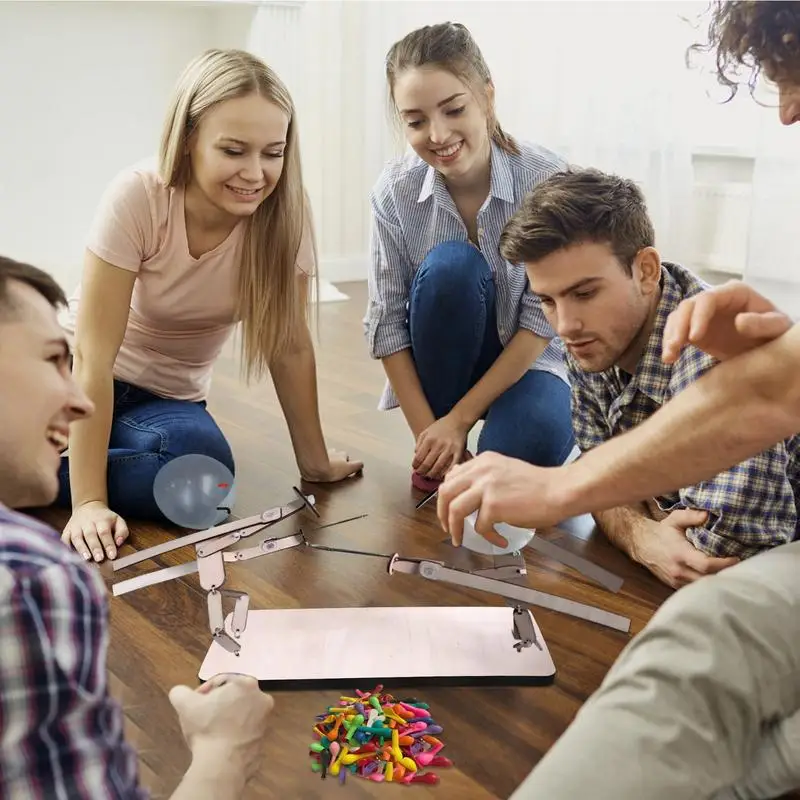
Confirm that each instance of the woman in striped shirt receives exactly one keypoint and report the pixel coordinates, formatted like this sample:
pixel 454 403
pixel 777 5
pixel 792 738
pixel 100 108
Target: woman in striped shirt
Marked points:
pixel 456 327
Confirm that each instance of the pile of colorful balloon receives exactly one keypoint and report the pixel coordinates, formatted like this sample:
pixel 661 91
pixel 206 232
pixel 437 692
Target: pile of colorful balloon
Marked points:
pixel 376 737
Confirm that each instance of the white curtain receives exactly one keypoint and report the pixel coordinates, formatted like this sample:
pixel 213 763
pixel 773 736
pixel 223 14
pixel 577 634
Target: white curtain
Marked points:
pixel 604 83
pixel 610 92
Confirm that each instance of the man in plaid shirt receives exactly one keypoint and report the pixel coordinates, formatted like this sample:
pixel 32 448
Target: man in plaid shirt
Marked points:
pixel 61 734
pixel 588 245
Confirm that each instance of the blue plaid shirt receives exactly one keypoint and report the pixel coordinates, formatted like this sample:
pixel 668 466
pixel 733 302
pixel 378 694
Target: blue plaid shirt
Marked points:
pixel 751 507
pixel 61 732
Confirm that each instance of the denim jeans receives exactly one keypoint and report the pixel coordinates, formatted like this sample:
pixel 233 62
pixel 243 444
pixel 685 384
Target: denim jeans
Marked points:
pixel 454 341
pixel 147 432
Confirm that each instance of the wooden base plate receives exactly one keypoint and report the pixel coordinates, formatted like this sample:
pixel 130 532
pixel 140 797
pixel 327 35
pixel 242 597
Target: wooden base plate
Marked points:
pixel 461 645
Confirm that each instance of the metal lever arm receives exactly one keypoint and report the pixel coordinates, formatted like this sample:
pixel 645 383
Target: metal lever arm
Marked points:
pixel 212 576
pixel 438 572
pixel 265 548
pixel 230 533
pixel 170 573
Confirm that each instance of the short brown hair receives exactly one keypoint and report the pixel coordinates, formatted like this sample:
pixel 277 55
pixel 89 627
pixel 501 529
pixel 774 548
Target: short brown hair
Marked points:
pixel 449 46
pixel 576 207
pixel 757 36
pixel 45 284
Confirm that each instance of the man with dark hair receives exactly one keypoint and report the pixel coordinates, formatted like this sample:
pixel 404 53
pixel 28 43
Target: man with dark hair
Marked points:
pixel 705 702
pixel 38 279
pixel 587 244
pixel 61 734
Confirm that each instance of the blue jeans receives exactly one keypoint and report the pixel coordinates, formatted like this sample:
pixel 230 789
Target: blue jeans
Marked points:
pixel 148 431
pixel 454 341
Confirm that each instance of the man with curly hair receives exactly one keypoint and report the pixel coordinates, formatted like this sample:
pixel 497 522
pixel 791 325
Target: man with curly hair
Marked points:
pixel 705 702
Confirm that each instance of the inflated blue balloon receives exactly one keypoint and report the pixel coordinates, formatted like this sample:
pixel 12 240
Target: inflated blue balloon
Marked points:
pixel 194 491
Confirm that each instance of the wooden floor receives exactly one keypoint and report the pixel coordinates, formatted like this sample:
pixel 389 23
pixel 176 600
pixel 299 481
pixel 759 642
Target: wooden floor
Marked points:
pixel 494 735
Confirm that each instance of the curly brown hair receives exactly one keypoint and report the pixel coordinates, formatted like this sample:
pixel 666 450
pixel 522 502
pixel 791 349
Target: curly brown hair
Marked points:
pixel 754 36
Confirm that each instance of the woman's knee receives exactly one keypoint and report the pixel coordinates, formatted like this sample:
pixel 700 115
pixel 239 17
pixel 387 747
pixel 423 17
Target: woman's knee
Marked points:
pixel 172 431
pixel 142 484
pixel 531 421
pixel 543 447
pixel 205 439
pixel 452 264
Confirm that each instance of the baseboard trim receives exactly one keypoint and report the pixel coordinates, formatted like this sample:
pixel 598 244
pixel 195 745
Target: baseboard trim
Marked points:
pixel 340 270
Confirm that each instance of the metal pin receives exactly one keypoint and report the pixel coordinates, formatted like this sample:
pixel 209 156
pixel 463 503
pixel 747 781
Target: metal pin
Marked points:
pixel 305 500
pixel 341 522
pixel 428 498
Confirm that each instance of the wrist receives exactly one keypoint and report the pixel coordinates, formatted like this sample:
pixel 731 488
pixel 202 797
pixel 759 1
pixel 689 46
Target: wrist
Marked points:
pixel 463 417
pixel 90 501
pixel 87 489
pixel 218 772
pixel 314 471
pixel 420 422
pixel 637 541
pixel 565 496
pixel 315 466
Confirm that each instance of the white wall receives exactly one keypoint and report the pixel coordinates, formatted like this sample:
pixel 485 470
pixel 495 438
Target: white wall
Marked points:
pixel 622 102
pixel 84 87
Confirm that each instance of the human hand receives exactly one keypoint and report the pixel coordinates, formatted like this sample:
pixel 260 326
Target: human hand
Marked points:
pixel 95 530
pixel 338 467
pixel 723 322
pixel 440 446
pixel 225 721
pixel 663 548
pixel 500 489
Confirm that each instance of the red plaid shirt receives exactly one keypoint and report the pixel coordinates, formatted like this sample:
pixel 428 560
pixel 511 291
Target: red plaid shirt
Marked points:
pixel 61 734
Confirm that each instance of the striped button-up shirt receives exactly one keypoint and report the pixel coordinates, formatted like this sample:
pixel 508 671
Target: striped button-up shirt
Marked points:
pixel 751 507
pixel 413 212
pixel 61 735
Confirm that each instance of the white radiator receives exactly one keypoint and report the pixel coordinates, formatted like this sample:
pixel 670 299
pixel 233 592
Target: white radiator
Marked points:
pixel 721 226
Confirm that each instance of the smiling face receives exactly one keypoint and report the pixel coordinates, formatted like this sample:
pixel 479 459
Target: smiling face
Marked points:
pixel 599 311
pixel 237 154
pixel 39 399
pixel 444 121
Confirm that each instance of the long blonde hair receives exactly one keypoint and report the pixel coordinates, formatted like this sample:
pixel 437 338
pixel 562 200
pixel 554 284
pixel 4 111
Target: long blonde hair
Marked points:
pixel 268 303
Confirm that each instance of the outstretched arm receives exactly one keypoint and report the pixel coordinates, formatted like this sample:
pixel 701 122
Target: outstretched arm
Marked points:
pixel 738 409
pixel 741 407
pixel 294 375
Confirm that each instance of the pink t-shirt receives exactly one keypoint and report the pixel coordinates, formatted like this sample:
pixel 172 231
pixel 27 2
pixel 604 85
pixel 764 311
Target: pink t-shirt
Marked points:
pixel 183 308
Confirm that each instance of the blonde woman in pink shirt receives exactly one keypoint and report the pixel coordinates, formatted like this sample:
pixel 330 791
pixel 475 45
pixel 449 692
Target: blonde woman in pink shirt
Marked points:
pixel 218 234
